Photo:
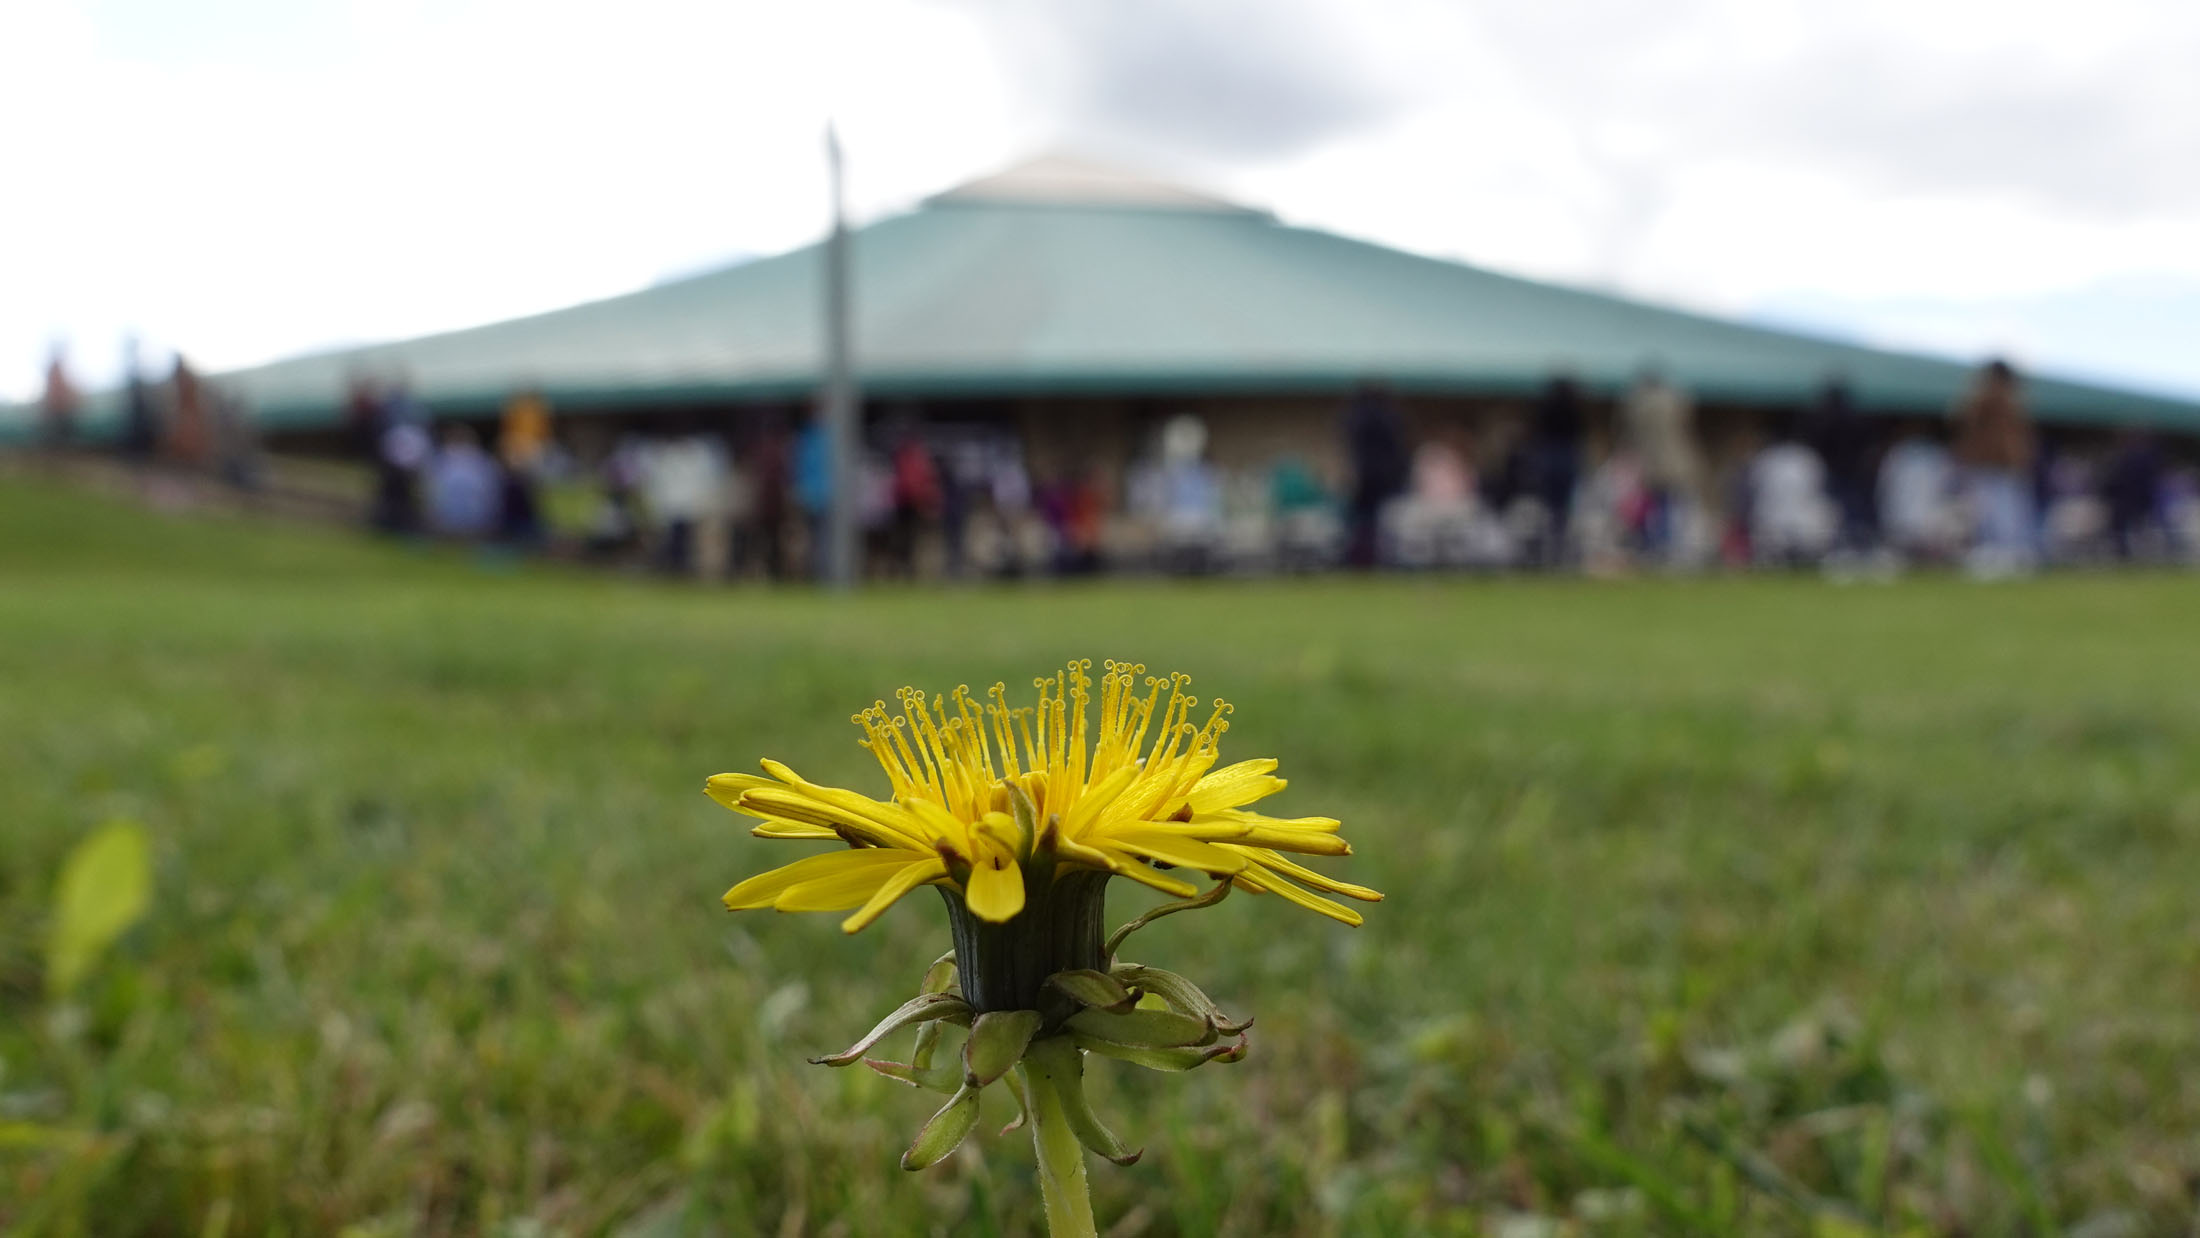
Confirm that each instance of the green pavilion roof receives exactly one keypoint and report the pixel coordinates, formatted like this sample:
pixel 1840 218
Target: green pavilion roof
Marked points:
pixel 1058 278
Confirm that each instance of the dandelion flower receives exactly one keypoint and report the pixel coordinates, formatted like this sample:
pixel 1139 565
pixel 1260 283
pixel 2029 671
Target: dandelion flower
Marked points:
pixel 1019 816
pixel 989 802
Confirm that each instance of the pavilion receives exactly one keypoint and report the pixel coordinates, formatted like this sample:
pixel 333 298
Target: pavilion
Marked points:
pixel 1076 308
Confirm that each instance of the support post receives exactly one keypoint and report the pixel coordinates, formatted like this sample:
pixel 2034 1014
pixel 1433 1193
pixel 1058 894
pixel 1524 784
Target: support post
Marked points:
pixel 840 401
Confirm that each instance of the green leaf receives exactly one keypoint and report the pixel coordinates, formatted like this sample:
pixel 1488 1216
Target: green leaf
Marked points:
pixel 104 888
pixel 997 1042
pixel 940 976
pixel 928 1040
pixel 941 1079
pixel 1152 1029
pixel 919 1009
pixel 32 1135
pixel 1185 996
pixel 1161 1059
pixel 1065 1072
pixel 943 1131
pixel 1091 988
pixel 1014 1080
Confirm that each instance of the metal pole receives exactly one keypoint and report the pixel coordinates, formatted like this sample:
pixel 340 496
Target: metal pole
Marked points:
pixel 841 401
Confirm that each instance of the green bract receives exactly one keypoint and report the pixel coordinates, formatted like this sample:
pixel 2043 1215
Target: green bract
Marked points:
pixel 1126 1011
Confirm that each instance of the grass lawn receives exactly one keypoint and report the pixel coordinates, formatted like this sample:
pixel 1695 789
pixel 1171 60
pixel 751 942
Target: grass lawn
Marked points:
pixel 1722 906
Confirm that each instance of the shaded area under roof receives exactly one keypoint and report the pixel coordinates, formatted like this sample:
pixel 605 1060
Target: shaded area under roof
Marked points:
pixel 1058 277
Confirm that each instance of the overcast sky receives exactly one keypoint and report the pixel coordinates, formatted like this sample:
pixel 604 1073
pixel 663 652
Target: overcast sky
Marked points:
pixel 244 179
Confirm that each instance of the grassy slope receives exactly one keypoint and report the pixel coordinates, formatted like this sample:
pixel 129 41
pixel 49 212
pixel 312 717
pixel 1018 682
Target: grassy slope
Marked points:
pixel 1704 896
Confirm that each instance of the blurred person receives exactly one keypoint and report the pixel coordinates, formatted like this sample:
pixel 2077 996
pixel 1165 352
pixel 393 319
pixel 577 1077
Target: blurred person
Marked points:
pixel 1837 433
pixel 1432 525
pixel 736 525
pixel 237 448
pixel 1609 512
pixel 988 548
pixel 874 511
pixel 771 502
pixel 519 508
pixel 1376 445
pixel 1659 419
pixel 1008 479
pixel 400 405
pixel 1791 523
pixel 2049 475
pixel 714 546
pixel 1916 488
pixel 402 449
pixel 1075 509
pixel 962 482
pixel 617 524
pixel 188 440
pixel 364 415
pixel 2181 512
pixel 915 500
pixel 1549 467
pixel 1247 538
pixel 140 435
pixel 1189 497
pixel 1306 521
pixel 463 486
pixel 523 429
pixel 683 481
pixel 2131 492
pixel 1738 492
pixel 813 491
pixel 60 403
pixel 1025 540
pixel 523 449
pixel 2073 522
pixel 1996 447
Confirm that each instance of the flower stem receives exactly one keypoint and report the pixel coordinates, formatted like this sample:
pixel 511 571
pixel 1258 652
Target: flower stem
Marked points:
pixel 1061 1157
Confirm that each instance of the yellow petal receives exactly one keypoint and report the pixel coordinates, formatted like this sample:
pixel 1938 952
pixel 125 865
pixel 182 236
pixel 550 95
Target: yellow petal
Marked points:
pixel 897 885
pixel 886 815
pixel 1305 842
pixel 1152 796
pixel 797 805
pixel 1224 830
pixel 995 891
pixel 1176 849
pixel 727 788
pixel 774 827
pixel 941 825
pixel 762 889
pixel 1261 879
pixel 1122 865
pixel 1326 825
pixel 1095 799
pixel 1147 874
pixel 1235 785
pixel 1300 872
pixel 1210 829
pixel 850 887
pixel 1001 830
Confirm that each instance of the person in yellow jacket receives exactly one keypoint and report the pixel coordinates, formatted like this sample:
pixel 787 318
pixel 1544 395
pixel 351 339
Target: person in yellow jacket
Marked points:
pixel 525 433
pixel 522 441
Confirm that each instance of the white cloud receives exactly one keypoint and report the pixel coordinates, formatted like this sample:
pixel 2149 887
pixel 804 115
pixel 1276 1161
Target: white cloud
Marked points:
pixel 428 169
pixel 247 178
